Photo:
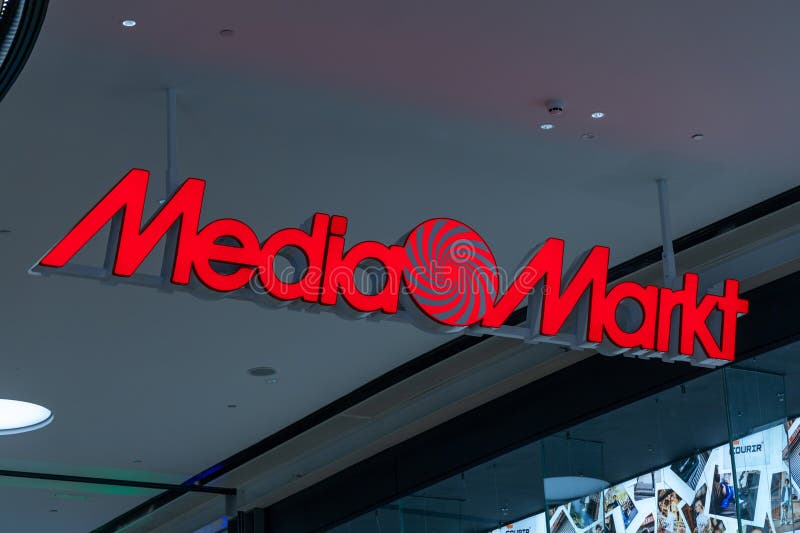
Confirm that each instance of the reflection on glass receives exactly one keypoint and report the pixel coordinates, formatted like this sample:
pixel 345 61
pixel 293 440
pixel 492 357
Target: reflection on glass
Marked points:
pixel 711 455
pixel 695 494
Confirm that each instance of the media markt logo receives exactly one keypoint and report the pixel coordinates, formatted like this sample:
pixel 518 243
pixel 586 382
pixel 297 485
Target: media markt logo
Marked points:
pixel 442 275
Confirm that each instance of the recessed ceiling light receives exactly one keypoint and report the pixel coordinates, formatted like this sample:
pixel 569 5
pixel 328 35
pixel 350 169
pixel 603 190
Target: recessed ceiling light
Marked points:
pixel 129 23
pixel 262 371
pixel 588 136
pixel 546 126
pixel 227 32
pixel 698 137
pixel 598 114
pixel 19 417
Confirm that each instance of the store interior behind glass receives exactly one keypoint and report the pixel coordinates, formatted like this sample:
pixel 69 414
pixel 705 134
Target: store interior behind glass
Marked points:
pixel 719 453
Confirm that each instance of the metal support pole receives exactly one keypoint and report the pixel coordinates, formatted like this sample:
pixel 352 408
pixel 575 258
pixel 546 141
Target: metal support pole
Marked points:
pixel 168 258
pixel 172 141
pixel 231 505
pixel 667 254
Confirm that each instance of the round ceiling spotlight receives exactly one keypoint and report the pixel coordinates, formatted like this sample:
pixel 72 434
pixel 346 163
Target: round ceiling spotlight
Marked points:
pixel 588 136
pixel 598 114
pixel 20 417
pixel 262 371
pixel 546 126
pixel 129 23
pixel 698 137
pixel 266 372
pixel 227 32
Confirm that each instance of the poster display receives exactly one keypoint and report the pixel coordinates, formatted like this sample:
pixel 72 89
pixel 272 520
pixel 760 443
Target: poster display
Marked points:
pixel 697 494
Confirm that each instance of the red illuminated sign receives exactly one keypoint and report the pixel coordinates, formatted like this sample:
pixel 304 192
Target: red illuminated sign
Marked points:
pixel 442 272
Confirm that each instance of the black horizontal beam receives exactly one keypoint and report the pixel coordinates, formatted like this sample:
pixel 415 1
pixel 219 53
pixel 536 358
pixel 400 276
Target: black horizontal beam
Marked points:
pixel 118 482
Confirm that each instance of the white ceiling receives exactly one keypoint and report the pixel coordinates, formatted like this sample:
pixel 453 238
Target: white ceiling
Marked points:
pixel 386 113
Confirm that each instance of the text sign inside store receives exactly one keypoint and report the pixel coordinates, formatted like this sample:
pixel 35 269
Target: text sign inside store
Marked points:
pixel 441 273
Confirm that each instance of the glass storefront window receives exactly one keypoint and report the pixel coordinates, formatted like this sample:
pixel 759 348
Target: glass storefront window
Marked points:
pixel 716 454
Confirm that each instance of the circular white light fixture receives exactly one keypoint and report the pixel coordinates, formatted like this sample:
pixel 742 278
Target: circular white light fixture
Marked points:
pixel 19 417
pixel 598 114
pixel 129 23
pixel 568 488
pixel 546 126
pixel 698 137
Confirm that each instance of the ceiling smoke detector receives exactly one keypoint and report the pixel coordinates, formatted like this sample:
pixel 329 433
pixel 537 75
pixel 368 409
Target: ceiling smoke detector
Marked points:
pixel 555 107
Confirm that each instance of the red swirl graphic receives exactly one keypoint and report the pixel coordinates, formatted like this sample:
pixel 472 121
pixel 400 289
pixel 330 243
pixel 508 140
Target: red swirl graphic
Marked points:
pixel 451 274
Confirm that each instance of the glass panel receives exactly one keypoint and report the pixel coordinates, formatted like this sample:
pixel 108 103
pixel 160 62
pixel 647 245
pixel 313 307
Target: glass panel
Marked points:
pixel 384 520
pixel 789 495
pixel 574 479
pixel 701 457
pixel 650 458
pixel 755 400
pixel 481 499
pixel 757 412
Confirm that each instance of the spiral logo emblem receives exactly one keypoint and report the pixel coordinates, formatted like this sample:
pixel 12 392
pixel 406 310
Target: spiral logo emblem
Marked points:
pixel 451 274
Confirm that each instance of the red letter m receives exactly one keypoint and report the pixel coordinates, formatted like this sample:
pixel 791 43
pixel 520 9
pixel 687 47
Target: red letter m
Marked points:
pixel 546 267
pixel 127 199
